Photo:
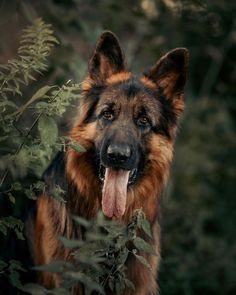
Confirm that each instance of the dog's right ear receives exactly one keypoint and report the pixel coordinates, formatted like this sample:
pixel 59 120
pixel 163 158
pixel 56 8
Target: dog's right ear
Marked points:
pixel 107 59
pixel 169 73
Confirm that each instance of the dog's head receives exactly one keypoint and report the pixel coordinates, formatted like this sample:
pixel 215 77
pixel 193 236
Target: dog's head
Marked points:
pixel 129 122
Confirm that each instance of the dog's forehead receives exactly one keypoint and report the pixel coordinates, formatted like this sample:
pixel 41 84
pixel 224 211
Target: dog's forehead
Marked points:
pixel 131 89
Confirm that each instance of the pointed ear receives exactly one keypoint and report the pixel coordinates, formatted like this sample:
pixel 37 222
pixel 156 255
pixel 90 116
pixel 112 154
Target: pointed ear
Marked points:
pixel 169 73
pixel 107 59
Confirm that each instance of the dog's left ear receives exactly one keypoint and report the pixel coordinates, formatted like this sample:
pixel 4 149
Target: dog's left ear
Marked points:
pixel 169 73
pixel 107 59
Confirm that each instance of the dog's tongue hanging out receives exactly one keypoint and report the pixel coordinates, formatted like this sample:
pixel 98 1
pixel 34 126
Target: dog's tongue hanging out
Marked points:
pixel 114 192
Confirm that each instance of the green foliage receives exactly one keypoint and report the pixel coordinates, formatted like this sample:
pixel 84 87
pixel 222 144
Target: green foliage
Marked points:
pixel 11 270
pixel 98 261
pixel 37 41
pixel 25 149
pixel 77 147
pixel 11 222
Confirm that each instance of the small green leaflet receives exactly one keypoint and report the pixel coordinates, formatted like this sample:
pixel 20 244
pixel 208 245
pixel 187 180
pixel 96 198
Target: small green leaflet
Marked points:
pixel 81 221
pixel 120 285
pixel 86 280
pixel 3 265
pixel 123 256
pixel 15 279
pixel 34 289
pixel 38 94
pixel 142 260
pixel 15 265
pixel 19 234
pixel 54 266
pixel 142 245
pixel 48 130
pixel 30 194
pixel 11 198
pixel 129 284
pixel 77 147
pixel 71 243
pixel 16 186
pixel 3 228
pixel 145 225
pixel 111 283
pixel 12 223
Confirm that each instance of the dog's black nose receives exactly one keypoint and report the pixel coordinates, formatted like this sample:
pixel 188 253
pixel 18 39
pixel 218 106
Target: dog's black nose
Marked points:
pixel 118 153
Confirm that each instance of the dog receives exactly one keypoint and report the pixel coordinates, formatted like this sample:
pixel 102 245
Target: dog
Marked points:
pixel 127 125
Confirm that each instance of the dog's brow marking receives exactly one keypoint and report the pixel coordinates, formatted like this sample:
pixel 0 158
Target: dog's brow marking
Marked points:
pixel 119 77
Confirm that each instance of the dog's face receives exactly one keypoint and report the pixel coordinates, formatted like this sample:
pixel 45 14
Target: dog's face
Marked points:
pixel 130 114
pixel 126 114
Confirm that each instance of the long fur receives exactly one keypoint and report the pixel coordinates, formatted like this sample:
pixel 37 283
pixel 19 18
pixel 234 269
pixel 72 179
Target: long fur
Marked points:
pixel 82 185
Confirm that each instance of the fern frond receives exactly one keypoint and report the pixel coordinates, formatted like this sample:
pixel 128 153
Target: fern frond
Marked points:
pixel 37 42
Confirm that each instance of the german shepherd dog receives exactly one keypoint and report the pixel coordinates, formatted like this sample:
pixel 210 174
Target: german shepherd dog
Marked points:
pixel 127 125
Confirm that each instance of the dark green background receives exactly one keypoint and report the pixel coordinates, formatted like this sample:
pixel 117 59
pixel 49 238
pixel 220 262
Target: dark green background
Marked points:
pixel 199 204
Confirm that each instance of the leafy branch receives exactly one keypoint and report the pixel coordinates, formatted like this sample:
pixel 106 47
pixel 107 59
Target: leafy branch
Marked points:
pixel 37 41
pixel 98 261
pixel 25 149
pixel 16 115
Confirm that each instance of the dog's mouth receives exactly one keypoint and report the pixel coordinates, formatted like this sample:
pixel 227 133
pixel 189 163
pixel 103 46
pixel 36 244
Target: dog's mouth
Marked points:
pixel 114 192
pixel 132 174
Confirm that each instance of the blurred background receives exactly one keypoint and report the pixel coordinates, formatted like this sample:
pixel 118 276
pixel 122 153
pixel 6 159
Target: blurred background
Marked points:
pixel 199 204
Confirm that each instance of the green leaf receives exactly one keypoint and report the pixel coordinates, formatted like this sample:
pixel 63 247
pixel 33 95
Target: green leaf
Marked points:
pixel 11 198
pixel 39 185
pixel 129 284
pixel 71 244
pixel 41 105
pixel 34 289
pixel 77 147
pixel 111 283
pixel 38 94
pixel 3 228
pixel 13 223
pixel 8 103
pixel 95 236
pixel 123 255
pixel 15 265
pixel 120 285
pixel 30 194
pixel 59 291
pixel 16 186
pixel 58 193
pixel 3 138
pixel 54 266
pixel 3 265
pixel 48 130
pixel 145 225
pixel 81 221
pixel 22 163
pixel 86 280
pixel 15 279
pixel 142 245
pixel 143 260
pixel 19 234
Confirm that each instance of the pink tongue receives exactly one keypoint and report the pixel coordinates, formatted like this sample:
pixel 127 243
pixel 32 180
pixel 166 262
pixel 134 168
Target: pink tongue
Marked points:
pixel 114 192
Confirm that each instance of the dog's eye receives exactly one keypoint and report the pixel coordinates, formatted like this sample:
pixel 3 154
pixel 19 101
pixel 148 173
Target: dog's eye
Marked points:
pixel 108 115
pixel 143 121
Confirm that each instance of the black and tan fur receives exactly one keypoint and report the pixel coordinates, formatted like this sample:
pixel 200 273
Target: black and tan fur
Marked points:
pixel 141 112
